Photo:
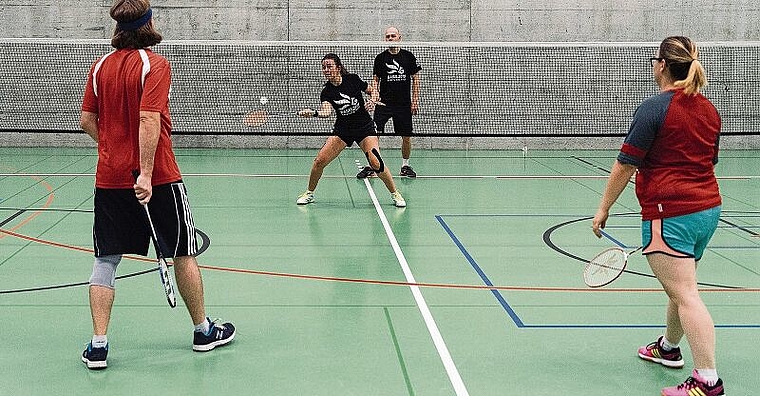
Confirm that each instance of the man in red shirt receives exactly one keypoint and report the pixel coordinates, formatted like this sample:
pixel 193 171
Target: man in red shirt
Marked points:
pixel 125 109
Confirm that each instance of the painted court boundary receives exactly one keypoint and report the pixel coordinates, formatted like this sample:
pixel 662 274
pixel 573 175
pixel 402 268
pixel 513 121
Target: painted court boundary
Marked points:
pixel 513 314
pixel 435 334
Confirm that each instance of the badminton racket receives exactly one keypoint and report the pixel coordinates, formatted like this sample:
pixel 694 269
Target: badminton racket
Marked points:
pixel 258 118
pixel 163 266
pixel 606 266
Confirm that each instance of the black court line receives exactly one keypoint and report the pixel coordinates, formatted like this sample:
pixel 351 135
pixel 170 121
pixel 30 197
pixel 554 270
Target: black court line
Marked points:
pixel 13 216
pixel 205 243
pixel 548 241
pixel 591 164
pixel 63 286
pixel 737 226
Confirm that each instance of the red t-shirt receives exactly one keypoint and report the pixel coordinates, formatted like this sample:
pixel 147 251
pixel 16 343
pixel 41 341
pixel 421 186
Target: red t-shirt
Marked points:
pixel 119 86
pixel 673 140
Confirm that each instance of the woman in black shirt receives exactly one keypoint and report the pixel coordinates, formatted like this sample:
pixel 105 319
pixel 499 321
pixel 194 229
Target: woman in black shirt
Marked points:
pixel 343 92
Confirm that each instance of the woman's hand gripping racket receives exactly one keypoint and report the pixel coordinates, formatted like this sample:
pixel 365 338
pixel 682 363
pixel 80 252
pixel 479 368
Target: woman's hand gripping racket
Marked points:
pixel 163 266
pixel 606 266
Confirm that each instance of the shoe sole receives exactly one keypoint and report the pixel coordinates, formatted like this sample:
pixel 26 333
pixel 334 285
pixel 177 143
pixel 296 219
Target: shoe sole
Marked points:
pixel 306 202
pixel 94 364
pixel 664 362
pixel 208 347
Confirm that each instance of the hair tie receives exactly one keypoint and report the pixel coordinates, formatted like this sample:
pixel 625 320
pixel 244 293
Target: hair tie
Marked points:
pixel 137 23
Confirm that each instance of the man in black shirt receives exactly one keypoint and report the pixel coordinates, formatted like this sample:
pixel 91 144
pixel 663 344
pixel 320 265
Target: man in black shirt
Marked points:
pixel 396 74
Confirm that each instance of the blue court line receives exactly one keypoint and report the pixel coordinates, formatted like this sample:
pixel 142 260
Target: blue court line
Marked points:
pixel 511 312
pixel 615 241
pixel 516 319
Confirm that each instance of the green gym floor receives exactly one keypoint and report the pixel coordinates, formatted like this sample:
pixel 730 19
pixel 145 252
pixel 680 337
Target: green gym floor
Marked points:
pixel 347 297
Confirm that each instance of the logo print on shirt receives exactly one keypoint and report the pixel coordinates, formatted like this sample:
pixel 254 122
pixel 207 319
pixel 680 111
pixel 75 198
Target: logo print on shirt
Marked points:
pixel 347 105
pixel 395 72
pixel 395 68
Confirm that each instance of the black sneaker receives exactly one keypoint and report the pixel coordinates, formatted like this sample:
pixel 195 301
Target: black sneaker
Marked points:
pixel 218 335
pixel 407 171
pixel 365 173
pixel 95 358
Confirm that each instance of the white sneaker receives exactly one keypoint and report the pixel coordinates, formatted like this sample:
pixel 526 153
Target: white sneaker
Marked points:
pixel 305 198
pixel 398 200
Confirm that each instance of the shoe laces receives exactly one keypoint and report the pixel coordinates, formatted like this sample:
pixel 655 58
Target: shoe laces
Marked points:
pixel 216 323
pixel 215 327
pixel 690 383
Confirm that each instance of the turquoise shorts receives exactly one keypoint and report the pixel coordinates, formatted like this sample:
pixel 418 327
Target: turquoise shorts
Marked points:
pixel 681 236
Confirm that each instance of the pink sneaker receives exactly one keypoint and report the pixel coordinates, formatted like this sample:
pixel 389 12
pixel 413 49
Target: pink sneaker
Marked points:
pixel 654 353
pixel 695 385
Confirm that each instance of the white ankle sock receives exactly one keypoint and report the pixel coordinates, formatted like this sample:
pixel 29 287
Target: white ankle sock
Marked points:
pixel 203 327
pixel 405 162
pixel 667 345
pixel 709 375
pixel 99 341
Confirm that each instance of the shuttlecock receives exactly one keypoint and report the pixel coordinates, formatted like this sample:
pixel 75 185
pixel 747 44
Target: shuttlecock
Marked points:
pixel 263 100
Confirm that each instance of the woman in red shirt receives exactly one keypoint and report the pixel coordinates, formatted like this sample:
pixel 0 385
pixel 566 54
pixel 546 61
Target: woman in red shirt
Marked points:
pixel 673 143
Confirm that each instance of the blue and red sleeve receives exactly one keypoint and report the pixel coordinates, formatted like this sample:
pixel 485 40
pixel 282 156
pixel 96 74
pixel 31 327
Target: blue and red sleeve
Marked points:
pixel 647 121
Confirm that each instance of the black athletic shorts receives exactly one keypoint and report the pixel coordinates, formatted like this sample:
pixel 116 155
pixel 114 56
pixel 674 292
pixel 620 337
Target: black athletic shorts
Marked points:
pixel 402 119
pixel 121 225
pixel 355 134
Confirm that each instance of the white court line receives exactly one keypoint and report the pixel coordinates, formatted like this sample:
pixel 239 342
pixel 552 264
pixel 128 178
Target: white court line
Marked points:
pixel 435 334
pixel 249 175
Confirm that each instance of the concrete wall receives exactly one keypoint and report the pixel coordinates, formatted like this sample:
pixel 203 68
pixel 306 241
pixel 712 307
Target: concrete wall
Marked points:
pixel 364 20
pixel 426 20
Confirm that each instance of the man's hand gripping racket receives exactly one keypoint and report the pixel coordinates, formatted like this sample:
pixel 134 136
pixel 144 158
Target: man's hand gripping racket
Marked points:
pixel 163 266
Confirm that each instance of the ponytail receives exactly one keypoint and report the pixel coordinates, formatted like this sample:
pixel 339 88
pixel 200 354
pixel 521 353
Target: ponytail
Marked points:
pixel 682 59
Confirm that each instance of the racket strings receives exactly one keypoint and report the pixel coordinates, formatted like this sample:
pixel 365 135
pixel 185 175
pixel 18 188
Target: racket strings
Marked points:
pixel 608 262
pixel 604 268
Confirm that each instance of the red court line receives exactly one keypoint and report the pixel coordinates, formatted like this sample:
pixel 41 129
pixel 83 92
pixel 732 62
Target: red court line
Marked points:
pixel 385 282
pixel 36 213
pixel 65 246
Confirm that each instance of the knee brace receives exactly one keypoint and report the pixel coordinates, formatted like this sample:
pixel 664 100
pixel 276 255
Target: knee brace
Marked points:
pixel 104 271
pixel 379 159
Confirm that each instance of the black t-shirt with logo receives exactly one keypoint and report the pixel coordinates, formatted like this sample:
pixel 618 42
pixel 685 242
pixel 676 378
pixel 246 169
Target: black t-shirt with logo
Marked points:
pixel 394 72
pixel 347 100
